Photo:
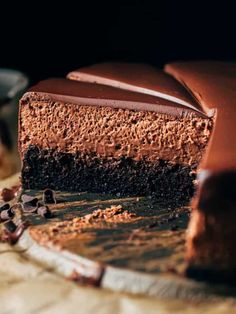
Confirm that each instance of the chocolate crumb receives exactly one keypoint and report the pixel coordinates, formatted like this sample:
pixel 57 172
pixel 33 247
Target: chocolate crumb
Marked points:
pixel 49 197
pixel 88 281
pixel 7 194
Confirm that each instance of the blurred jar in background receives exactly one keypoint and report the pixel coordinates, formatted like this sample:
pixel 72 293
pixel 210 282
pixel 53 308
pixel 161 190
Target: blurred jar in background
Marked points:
pixel 12 86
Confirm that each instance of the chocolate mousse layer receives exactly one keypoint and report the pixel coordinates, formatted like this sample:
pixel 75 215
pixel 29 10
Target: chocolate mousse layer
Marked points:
pixel 84 136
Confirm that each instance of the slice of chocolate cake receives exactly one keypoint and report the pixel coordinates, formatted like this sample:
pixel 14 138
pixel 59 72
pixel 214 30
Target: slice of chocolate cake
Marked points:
pixel 210 243
pixel 144 139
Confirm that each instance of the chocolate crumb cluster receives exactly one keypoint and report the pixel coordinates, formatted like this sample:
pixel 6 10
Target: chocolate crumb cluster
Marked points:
pixel 12 215
pixel 88 281
pixel 62 231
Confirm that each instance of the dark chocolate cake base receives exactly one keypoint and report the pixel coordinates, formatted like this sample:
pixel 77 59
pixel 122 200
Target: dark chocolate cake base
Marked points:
pixel 169 183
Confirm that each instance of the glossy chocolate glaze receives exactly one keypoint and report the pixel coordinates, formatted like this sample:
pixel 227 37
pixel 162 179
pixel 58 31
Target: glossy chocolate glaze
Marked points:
pixel 140 78
pixel 213 84
pixel 91 94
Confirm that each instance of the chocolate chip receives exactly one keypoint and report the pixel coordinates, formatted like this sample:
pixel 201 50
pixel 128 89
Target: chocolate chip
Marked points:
pixel 10 226
pixel 30 205
pixel 27 198
pixel 7 194
pixel 49 197
pixel 6 214
pixel 5 206
pixel 13 237
pixel 44 211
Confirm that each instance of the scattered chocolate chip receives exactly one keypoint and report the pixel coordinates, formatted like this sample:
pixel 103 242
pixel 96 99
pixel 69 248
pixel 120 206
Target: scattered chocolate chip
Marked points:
pixel 13 237
pixel 7 194
pixel 10 226
pixel 6 214
pixel 27 198
pixel 44 211
pixel 31 205
pixel 49 196
pixel 5 206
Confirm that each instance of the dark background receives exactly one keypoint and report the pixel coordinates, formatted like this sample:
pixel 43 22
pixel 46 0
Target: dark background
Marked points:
pixel 44 41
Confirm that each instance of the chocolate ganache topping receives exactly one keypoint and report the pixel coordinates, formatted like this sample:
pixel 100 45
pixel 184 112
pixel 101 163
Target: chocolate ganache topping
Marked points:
pixel 140 78
pixel 85 93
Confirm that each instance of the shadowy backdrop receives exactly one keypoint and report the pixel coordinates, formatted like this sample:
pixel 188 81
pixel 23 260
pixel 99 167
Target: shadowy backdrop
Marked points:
pixel 52 40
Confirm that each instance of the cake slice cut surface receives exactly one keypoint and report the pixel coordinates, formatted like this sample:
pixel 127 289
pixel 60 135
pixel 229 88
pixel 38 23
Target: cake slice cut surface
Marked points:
pixel 84 136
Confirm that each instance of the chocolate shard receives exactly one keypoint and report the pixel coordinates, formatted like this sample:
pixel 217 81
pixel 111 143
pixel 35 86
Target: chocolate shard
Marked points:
pixel 49 197
pixel 25 198
pixel 88 281
pixel 44 211
pixel 6 214
pixel 31 205
pixel 5 206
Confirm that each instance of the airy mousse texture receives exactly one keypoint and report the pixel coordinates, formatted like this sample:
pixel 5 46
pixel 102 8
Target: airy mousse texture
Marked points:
pixel 114 133
pixel 103 149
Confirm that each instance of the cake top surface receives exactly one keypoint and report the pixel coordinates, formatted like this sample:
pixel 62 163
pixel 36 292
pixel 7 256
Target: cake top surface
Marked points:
pixel 140 78
pixel 213 84
pixel 114 94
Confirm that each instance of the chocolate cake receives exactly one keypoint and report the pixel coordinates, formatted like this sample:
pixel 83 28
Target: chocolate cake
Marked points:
pixel 210 243
pixel 115 128
pixel 130 129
